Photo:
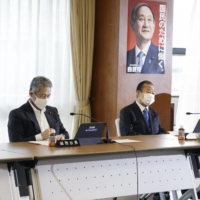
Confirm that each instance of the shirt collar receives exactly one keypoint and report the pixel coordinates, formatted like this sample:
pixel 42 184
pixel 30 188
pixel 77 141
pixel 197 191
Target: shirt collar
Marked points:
pixel 145 50
pixel 141 106
pixel 36 110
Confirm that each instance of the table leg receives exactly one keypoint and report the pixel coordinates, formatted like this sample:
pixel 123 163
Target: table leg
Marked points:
pixel 175 195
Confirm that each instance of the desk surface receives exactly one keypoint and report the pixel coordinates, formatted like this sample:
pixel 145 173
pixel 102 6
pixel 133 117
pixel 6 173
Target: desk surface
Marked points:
pixel 148 142
pixel 9 155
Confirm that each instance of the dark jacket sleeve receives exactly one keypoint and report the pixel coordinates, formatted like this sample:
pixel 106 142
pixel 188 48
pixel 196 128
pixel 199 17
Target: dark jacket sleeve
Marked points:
pixel 16 128
pixel 157 125
pixel 60 129
pixel 126 127
pixel 161 130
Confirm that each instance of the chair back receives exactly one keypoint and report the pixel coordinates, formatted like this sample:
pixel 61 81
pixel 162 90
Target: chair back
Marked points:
pixel 117 127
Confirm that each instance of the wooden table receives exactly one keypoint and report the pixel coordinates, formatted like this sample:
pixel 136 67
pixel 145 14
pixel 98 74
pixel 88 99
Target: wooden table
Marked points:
pixel 108 170
pixel 148 142
pixel 7 183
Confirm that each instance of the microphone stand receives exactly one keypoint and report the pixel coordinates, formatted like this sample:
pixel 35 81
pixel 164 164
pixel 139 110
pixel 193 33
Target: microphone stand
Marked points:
pixel 107 139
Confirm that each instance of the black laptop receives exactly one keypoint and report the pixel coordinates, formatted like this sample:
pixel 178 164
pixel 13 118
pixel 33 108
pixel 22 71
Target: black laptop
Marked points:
pixel 90 133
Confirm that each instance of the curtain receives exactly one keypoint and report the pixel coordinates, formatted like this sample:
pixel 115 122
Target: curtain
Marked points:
pixel 82 42
pixel 35 40
pixel 189 99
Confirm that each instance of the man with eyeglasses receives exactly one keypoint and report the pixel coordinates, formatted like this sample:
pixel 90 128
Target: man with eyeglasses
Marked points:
pixel 34 120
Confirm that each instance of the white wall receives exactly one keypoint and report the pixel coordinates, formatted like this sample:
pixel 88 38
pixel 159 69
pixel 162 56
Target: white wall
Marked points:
pixel 181 20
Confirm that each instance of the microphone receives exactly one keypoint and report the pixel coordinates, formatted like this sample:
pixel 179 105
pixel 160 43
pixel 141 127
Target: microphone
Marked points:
pixel 108 139
pixel 189 113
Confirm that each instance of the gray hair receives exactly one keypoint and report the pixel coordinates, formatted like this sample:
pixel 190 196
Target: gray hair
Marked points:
pixel 38 82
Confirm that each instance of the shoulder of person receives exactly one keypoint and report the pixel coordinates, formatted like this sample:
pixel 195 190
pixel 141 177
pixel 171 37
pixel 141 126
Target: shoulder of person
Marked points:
pixel 153 111
pixel 155 47
pixel 20 109
pixel 53 109
pixel 131 51
pixel 129 106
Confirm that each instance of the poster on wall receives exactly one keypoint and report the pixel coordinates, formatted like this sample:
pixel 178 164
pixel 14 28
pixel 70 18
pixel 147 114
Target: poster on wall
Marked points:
pixel 146 37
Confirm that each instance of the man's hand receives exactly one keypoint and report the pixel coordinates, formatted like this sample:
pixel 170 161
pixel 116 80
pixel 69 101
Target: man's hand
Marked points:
pixel 60 137
pixel 47 132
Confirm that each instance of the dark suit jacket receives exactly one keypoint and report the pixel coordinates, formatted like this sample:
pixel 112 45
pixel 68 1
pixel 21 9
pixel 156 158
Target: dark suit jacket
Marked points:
pixel 151 64
pixel 23 125
pixel 132 121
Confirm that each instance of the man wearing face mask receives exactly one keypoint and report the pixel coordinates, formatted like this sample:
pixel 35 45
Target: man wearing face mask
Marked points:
pixel 34 120
pixel 138 118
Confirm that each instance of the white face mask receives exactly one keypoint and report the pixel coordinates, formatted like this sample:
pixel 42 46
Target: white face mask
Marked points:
pixel 148 99
pixel 40 103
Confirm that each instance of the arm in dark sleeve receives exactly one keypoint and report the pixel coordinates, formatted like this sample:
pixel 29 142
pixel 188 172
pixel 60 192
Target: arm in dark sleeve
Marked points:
pixel 126 126
pixel 161 130
pixel 16 130
pixel 62 129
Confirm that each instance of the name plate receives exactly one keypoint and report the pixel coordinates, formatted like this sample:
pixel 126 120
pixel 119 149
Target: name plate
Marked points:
pixel 68 143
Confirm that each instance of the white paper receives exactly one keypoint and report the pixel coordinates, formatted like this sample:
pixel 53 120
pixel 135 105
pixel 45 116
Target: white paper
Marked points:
pixel 175 133
pixel 193 136
pixel 126 140
pixel 44 142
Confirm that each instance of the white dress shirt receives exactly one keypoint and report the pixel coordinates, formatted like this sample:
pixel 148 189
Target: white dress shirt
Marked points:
pixel 145 51
pixel 42 121
pixel 141 107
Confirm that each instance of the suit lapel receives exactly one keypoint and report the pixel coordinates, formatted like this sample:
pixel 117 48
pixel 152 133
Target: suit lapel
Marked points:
pixel 30 113
pixel 133 56
pixel 150 59
pixel 50 118
pixel 140 116
pixel 151 120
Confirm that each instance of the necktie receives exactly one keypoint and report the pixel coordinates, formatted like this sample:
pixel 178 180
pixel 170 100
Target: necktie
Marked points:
pixel 140 55
pixel 146 117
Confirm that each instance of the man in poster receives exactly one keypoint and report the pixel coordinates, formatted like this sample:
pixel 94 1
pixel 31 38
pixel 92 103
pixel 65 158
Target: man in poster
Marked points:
pixel 145 57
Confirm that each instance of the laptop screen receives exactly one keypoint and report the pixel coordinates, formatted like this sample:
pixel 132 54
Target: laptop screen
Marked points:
pixel 90 133
pixel 90 130
pixel 197 128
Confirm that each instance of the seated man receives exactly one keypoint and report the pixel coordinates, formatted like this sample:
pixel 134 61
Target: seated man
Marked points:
pixel 137 118
pixel 34 120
